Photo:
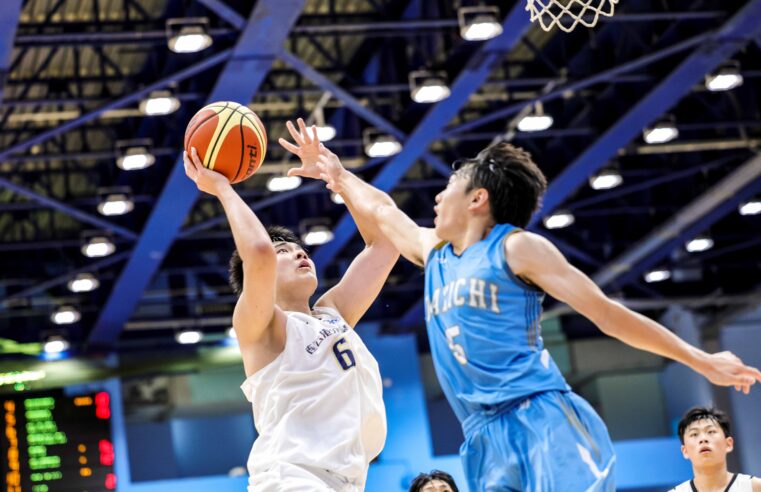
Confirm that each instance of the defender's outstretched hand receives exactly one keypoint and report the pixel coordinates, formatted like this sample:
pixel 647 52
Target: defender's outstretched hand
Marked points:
pixel 307 147
pixel 206 180
pixel 331 170
pixel 726 369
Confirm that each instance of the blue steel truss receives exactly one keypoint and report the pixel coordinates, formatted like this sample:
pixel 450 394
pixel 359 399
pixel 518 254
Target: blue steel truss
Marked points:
pixel 259 44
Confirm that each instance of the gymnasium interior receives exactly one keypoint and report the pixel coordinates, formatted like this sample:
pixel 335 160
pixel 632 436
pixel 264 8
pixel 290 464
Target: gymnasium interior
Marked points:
pixel 115 307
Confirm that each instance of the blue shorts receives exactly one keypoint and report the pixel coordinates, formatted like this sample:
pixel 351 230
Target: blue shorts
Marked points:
pixel 552 441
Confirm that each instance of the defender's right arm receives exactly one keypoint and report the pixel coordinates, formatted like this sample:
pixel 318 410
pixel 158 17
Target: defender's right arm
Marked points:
pixel 413 241
pixel 255 311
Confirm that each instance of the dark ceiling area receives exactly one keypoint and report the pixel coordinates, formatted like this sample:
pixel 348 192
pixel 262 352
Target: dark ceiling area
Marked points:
pixel 74 73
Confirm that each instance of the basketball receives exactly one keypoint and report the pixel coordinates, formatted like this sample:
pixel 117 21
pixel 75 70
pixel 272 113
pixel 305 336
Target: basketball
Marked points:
pixel 229 138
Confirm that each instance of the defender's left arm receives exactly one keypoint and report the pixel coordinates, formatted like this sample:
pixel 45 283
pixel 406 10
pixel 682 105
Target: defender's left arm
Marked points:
pixel 362 282
pixel 534 258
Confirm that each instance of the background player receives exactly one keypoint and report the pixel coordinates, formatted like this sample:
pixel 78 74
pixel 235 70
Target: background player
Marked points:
pixel 435 481
pixel 485 282
pixel 315 388
pixel 706 441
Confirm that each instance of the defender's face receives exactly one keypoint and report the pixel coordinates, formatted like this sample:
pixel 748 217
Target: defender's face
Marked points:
pixel 705 443
pixel 295 270
pixel 452 208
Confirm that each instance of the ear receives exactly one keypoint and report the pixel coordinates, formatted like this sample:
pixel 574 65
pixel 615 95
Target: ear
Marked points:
pixel 479 198
pixel 684 452
pixel 730 444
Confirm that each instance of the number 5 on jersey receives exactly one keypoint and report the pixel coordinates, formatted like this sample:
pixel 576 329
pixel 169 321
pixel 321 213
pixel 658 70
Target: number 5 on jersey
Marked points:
pixel 344 354
pixel 457 350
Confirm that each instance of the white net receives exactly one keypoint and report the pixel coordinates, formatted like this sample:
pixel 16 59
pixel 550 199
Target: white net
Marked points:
pixel 567 14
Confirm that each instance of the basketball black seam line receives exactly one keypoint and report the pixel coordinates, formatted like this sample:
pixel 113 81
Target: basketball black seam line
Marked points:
pixel 220 134
pixel 242 152
pixel 204 121
pixel 262 138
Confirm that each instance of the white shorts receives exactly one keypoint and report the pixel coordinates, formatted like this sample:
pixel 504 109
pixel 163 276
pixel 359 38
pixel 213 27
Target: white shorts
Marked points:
pixel 287 477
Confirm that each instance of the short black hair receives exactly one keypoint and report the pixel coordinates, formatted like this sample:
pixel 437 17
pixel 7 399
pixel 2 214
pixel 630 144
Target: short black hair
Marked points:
pixel 514 182
pixel 421 480
pixel 701 413
pixel 277 234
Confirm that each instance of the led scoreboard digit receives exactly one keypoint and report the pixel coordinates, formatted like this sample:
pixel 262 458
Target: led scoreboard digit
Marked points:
pixel 56 443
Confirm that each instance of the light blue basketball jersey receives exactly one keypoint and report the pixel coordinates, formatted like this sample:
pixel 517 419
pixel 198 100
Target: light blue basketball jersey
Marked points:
pixel 483 326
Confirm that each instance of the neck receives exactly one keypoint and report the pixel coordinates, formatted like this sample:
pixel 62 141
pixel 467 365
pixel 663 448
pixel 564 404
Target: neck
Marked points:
pixel 711 477
pixel 293 304
pixel 475 231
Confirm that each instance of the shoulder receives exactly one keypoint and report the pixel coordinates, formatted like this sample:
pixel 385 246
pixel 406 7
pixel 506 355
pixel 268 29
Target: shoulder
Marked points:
pixel 755 483
pixel 527 251
pixel 522 241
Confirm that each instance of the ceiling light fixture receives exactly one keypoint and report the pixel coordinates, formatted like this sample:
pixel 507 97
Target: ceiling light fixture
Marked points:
pixel 379 144
pixel 606 179
pixel 428 87
pixel 188 35
pixel 65 315
pixel 479 23
pixel 283 183
pixel 662 132
pixel 159 103
pixel 699 244
pixel 559 220
pixel 536 120
pixel 726 78
pixel 83 282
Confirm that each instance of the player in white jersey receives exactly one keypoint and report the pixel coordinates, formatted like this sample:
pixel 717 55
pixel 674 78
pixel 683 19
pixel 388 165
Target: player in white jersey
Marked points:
pixel 706 441
pixel 315 389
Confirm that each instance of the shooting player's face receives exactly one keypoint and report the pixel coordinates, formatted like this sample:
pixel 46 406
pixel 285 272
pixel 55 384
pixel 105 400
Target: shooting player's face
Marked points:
pixel 705 443
pixel 295 270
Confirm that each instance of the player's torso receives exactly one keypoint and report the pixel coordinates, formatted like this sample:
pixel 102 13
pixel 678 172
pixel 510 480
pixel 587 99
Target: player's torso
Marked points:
pixel 320 401
pixel 483 325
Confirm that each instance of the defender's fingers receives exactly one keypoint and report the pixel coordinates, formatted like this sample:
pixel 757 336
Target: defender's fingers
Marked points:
pixel 296 171
pixel 303 129
pixel 294 133
pixel 315 138
pixel 754 373
pixel 288 146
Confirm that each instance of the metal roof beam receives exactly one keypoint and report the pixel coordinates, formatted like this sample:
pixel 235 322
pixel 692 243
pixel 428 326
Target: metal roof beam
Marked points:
pixel 468 81
pixel 10 10
pixel 260 42
pixel 705 210
pixel 70 125
pixel 722 44
pixel 559 91
pixel 222 10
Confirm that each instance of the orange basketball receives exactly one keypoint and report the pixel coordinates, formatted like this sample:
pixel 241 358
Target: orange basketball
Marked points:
pixel 229 138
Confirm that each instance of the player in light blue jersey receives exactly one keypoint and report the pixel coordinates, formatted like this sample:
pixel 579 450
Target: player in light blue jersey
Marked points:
pixel 485 280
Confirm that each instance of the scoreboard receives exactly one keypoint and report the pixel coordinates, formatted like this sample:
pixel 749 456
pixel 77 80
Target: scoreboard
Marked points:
pixel 52 442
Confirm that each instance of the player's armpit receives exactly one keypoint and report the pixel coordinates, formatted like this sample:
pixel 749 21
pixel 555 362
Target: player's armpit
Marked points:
pixel 537 260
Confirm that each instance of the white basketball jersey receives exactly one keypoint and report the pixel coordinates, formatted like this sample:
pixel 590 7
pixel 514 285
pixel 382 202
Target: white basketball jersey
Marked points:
pixel 739 483
pixel 319 404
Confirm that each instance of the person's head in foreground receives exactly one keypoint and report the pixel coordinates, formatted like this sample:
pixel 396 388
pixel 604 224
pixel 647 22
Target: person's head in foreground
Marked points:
pixel 501 185
pixel 705 436
pixel 435 481
pixel 296 277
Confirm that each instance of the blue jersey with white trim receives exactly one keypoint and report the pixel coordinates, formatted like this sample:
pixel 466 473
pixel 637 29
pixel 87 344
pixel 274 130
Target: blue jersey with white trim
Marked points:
pixel 483 326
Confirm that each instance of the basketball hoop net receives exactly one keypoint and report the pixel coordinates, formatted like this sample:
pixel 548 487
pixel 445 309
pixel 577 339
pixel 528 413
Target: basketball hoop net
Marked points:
pixel 567 14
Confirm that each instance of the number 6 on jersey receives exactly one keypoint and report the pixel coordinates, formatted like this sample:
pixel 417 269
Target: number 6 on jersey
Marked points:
pixel 343 354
